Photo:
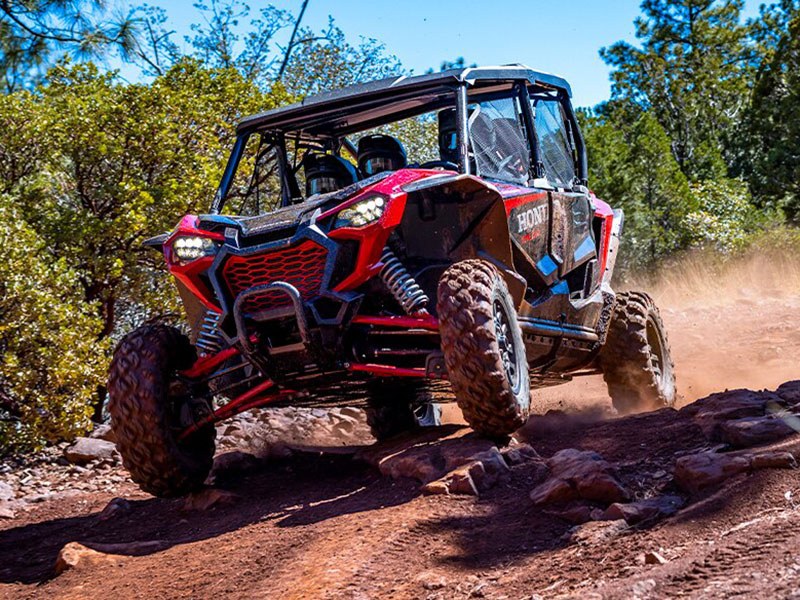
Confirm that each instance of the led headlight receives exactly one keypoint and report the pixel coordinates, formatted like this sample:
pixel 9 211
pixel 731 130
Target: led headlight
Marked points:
pixel 190 248
pixel 361 213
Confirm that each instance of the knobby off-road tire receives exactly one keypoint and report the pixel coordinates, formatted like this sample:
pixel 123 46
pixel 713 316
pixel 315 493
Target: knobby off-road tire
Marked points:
pixel 145 413
pixel 395 407
pixel 483 348
pixel 635 359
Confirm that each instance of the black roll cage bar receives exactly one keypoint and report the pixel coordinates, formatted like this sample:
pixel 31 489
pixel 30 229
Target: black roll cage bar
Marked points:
pixel 521 88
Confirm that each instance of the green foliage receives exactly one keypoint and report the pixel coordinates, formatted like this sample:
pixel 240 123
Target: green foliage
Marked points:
pixel 724 218
pixel 633 168
pixel 122 162
pixel 52 361
pixel 770 130
pixel 691 72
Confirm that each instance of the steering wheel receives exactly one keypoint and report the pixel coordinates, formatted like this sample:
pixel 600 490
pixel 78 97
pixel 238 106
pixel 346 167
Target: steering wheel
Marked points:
pixel 439 164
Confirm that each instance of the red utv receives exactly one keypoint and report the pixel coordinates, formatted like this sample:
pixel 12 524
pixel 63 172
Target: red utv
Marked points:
pixel 335 266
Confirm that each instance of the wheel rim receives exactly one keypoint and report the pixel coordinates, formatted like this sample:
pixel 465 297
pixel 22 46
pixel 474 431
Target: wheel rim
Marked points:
pixel 509 354
pixel 656 345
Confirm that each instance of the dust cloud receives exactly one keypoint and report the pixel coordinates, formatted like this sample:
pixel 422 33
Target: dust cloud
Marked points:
pixel 731 324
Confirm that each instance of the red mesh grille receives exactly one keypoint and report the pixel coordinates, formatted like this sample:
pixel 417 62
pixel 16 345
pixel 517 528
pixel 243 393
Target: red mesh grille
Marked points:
pixel 302 266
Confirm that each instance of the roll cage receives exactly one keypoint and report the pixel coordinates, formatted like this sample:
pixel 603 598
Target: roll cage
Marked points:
pixel 326 119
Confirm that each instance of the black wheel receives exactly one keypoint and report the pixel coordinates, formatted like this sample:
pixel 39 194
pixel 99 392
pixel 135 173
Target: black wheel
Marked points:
pixel 483 348
pixel 398 406
pixel 149 407
pixel 635 359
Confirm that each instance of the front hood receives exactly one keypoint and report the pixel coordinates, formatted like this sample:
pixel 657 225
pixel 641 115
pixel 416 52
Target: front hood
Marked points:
pixel 284 221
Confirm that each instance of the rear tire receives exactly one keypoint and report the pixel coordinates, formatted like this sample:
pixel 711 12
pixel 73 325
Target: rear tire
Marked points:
pixel 145 401
pixel 483 348
pixel 635 359
pixel 399 406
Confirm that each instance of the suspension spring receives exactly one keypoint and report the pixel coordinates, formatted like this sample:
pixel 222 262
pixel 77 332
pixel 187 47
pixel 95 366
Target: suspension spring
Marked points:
pixel 209 340
pixel 402 285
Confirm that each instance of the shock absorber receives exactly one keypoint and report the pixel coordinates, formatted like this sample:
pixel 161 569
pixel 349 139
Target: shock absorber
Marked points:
pixel 209 340
pixel 402 285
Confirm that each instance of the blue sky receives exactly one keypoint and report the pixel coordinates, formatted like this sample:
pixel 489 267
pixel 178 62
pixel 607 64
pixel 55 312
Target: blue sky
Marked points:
pixel 556 36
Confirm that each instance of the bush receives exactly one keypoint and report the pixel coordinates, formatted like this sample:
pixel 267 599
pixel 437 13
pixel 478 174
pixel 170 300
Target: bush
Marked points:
pixel 52 363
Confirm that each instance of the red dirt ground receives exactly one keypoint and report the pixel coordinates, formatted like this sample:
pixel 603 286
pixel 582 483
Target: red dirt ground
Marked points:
pixel 317 526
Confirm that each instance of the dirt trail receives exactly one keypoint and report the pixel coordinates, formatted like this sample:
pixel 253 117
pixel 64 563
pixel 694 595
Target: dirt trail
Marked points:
pixel 319 526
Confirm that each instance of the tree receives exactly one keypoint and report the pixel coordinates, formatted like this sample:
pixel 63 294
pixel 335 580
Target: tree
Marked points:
pixel 34 32
pixel 691 72
pixel 123 162
pixel 633 168
pixel 327 61
pixel 51 359
pixel 770 130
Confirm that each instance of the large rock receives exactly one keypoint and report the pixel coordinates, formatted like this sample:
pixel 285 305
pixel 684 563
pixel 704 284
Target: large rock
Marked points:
pixel 480 474
pixel 455 459
pixel 697 472
pixel 578 474
pixel 86 450
pixel 704 470
pixel 754 431
pixel 642 511
pixel 789 392
pixel 711 412
pixel 273 431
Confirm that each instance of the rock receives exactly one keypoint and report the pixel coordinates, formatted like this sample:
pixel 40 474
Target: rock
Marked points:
pixel 116 508
pixel 576 514
pixel 519 454
pixel 78 556
pixel 438 486
pixel 552 491
pixel 7 510
pixel 696 472
pixel 6 492
pixel 104 431
pixel 579 474
pixel 86 450
pixel 773 460
pixel 754 431
pixel 596 532
pixel 644 510
pixel 789 392
pixel 473 477
pixel 208 498
pixel 261 432
pixel 431 581
pixel 431 453
pixel 654 558
pixel 714 410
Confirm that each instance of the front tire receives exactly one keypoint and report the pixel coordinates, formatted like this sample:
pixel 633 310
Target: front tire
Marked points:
pixel 146 402
pixel 483 348
pixel 635 359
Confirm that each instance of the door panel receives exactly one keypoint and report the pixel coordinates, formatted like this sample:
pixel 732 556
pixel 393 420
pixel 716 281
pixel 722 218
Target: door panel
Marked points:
pixel 572 240
pixel 528 218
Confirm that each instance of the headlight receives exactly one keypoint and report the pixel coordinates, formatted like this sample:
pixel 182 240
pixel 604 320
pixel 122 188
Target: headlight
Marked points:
pixel 191 248
pixel 361 213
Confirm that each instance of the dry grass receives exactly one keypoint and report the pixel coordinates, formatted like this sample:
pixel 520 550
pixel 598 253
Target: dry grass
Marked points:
pixel 708 279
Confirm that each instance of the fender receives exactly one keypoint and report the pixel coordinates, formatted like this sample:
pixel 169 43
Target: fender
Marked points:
pixel 453 218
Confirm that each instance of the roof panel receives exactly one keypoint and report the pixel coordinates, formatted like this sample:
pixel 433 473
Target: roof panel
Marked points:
pixel 318 106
